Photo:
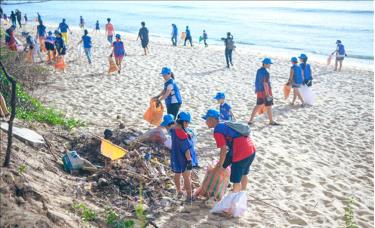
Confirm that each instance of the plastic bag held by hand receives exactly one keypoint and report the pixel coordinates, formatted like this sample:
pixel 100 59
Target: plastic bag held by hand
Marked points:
pixel 307 95
pixel 154 113
pixel 235 203
pixel 286 90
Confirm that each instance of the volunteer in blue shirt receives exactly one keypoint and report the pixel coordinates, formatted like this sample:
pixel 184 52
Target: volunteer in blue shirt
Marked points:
pixel 174 34
pixel 235 149
pixel 306 70
pixel 188 37
pixel 81 22
pixel 263 91
pixel 205 37
pixel 97 27
pixel 63 27
pixel 296 80
pixel 50 47
pixel 170 93
pixel 86 45
pixel 41 35
pixel 340 54
pixel 225 109
pixel 143 35
pixel 183 154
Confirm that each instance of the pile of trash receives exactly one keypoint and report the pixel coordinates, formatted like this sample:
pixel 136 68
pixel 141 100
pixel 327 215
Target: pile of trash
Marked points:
pixel 143 170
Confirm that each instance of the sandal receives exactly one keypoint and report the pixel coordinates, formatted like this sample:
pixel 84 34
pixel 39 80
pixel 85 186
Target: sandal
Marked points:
pixel 273 123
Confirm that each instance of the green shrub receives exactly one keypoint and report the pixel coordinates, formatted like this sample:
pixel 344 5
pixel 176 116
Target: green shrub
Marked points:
pixel 349 214
pixel 86 213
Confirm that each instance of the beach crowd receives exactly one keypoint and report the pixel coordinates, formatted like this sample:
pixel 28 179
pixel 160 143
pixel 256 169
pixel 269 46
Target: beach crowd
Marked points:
pixel 235 146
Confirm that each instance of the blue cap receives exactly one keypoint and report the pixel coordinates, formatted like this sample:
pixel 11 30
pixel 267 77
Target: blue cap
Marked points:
pixel 184 116
pixel 165 71
pixel 294 60
pixel 49 33
pixel 338 42
pixel 167 119
pixel 211 113
pixel 267 61
pixel 118 36
pixel 219 96
pixel 303 56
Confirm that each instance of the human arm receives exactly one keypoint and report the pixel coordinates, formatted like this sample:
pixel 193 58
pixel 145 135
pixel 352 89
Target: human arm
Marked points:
pixel 232 115
pixel 166 93
pixel 223 153
pixel 291 76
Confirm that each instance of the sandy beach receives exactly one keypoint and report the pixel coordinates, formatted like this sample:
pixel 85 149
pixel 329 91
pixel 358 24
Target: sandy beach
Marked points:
pixel 309 166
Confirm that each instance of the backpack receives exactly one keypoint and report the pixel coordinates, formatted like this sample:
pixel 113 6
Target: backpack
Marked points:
pixel 230 44
pixel 241 128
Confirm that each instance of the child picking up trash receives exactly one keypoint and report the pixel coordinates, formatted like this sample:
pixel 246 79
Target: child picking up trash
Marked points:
pixel 226 113
pixel 183 155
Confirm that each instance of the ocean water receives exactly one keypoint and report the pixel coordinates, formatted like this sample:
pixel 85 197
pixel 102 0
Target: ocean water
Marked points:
pixel 295 27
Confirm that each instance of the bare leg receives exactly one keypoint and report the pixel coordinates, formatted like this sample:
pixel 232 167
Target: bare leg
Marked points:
pixel 300 97
pixel 295 91
pixel 236 187
pixel 244 181
pixel 269 113
pixel 340 65
pixel 255 111
pixel 335 64
pixel 187 183
pixel 177 182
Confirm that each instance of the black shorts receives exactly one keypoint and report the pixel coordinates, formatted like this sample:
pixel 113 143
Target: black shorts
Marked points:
pixel 144 43
pixel 173 109
pixel 240 168
pixel 49 46
pixel 339 58
pixel 261 101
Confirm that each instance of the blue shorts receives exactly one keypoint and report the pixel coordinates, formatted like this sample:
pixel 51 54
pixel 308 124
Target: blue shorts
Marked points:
pixel 240 168
pixel 110 39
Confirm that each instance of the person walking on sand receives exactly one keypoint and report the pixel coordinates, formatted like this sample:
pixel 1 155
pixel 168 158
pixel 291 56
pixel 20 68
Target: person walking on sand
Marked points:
pixel 263 92
pixel 340 54
pixel 60 44
pixel 188 37
pixel 143 35
pixel 97 27
pixel 87 44
pixel 183 154
pixel 39 18
pixel 118 51
pixel 41 35
pixel 13 19
pixel 170 93
pixel 50 47
pixel 205 37
pixel 229 47
pixel 306 70
pixel 236 150
pixel 174 34
pixel 81 22
pixel 63 27
pixel 296 80
pixel 109 30
pixel 19 17
pixel 34 48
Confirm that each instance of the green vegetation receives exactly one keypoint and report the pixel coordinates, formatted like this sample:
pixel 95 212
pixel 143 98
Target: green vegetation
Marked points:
pixel 86 213
pixel 30 109
pixel 113 219
pixel 139 211
pixel 22 169
pixel 349 214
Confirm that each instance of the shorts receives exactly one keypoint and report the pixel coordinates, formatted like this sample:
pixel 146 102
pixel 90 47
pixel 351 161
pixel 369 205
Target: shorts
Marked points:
pixel 296 85
pixel 119 58
pixel 241 168
pixel 339 58
pixel 49 46
pixel 64 36
pixel 110 38
pixel 144 43
pixel 173 109
pixel 263 100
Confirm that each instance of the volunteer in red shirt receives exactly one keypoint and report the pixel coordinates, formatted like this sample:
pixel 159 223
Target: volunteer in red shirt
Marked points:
pixel 235 150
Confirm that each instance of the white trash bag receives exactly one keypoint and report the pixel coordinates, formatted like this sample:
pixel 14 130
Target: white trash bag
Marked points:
pixel 307 94
pixel 235 203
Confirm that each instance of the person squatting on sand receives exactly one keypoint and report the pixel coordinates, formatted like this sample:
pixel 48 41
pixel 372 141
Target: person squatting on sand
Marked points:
pixel 296 80
pixel 118 51
pixel 340 54
pixel 63 27
pixel 226 113
pixel 109 30
pixel 183 154
pixel 306 70
pixel 263 91
pixel 229 47
pixel 143 35
pixel 236 150
pixel 170 93
pixel 87 44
